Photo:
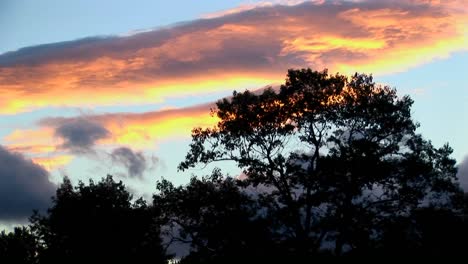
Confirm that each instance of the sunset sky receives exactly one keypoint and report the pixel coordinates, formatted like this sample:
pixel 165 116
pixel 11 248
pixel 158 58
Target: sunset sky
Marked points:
pixel 89 88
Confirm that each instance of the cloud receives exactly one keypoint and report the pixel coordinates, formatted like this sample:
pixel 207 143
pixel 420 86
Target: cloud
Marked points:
pixel 56 140
pixel 463 174
pixel 248 47
pixel 140 130
pixel 80 135
pixel 24 186
pixel 135 162
pixel 53 161
pixel 40 145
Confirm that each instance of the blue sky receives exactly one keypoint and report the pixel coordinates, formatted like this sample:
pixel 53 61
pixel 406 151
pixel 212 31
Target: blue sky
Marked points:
pixel 28 22
pixel 148 71
pixel 440 93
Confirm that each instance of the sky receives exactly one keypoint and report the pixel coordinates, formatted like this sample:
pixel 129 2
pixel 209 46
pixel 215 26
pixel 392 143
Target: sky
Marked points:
pixel 90 88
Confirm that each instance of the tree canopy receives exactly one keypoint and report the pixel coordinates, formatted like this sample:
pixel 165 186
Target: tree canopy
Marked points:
pixel 340 155
pixel 19 246
pixel 214 218
pixel 330 166
pixel 97 223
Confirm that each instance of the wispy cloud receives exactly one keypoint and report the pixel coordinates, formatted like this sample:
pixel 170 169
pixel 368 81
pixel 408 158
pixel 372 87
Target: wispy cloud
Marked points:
pixel 247 47
pixel 51 162
pixel 40 144
pixel 134 161
pixel 58 139
pixel 139 130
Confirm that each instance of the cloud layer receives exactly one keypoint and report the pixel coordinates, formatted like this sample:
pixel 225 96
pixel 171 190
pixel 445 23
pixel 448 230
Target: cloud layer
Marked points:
pixel 24 186
pixel 135 129
pixel 58 139
pixel 246 47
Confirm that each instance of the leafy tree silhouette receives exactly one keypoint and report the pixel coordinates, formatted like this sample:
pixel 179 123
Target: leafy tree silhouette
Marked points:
pixel 333 167
pixel 214 218
pixel 97 223
pixel 19 246
pixel 340 155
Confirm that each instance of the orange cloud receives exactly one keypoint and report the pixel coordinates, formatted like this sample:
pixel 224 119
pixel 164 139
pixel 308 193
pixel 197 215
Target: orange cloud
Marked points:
pixel 246 47
pixel 51 163
pixel 145 130
pixel 33 141
pixel 40 145
pixel 136 130
pixel 141 131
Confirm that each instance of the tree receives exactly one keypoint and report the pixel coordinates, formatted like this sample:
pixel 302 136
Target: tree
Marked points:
pixel 97 223
pixel 18 247
pixel 214 218
pixel 340 155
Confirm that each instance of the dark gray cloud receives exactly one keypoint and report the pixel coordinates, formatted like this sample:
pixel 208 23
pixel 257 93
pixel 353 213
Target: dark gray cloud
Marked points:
pixel 135 162
pixel 463 174
pixel 80 135
pixel 24 187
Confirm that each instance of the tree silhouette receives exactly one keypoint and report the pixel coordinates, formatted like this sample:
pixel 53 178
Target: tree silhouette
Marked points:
pixel 19 246
pixel 340 155
pixel 97 223
pixel 333 166
pixel 214 218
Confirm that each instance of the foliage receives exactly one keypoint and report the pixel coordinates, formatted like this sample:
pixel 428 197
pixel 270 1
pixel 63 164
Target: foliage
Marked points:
pixel 19 246
pixel 214 218
pixel 332 166
pixel 97 223
pixel 340 154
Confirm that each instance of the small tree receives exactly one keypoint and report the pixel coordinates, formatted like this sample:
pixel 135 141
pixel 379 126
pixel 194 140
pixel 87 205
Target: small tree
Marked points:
pixel 340 156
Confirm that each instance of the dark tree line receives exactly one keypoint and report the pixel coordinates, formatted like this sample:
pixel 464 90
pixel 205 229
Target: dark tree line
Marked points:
pixel 332 166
